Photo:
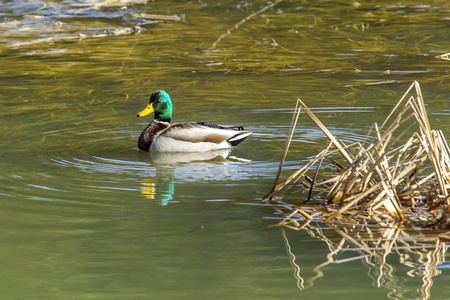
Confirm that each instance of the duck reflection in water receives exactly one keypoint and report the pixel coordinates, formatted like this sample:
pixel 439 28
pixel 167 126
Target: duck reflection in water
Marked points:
pixel 161 188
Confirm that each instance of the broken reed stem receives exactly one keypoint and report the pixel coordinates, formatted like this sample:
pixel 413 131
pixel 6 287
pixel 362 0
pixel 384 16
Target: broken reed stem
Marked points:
pixel 286 148
pixel 326 131
pixel 399 102
pixel 429 141
pixel 297 174
pixel 315 176
pixel 288 180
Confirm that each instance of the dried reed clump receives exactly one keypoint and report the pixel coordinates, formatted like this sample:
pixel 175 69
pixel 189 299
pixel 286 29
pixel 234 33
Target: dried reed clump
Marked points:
pixel 390 177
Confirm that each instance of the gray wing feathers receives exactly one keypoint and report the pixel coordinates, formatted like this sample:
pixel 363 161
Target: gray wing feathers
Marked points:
pixel 204 132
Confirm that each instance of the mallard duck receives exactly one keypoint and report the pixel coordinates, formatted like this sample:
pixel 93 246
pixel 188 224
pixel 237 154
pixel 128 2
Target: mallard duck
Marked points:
pixel 161 136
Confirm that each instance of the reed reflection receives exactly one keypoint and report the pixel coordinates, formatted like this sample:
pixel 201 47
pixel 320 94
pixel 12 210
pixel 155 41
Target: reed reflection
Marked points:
pixel 379 249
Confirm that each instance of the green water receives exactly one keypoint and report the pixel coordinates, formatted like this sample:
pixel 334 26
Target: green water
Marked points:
pixel 85 215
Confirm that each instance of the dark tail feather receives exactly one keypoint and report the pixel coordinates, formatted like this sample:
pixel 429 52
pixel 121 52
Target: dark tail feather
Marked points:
pixel 236 139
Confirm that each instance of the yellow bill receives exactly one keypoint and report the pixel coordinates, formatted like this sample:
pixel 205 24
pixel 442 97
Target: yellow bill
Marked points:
pixel 148 110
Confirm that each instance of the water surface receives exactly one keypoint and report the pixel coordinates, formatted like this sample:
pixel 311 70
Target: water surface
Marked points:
pixel 85 215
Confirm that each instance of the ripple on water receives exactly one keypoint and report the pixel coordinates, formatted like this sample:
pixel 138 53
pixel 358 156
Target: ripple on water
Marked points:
pixel 104 164
pixel 212 165
pixel 159 176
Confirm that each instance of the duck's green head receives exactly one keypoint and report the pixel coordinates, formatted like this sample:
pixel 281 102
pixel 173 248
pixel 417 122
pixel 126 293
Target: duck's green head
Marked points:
pixel 161 104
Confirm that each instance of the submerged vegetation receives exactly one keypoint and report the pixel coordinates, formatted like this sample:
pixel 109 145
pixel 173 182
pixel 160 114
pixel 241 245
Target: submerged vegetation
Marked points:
pixel 401 172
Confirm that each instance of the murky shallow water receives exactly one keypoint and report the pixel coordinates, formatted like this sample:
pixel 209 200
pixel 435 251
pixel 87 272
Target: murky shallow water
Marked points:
pixel 86 215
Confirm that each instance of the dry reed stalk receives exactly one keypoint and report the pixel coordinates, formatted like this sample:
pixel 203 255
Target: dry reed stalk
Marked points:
pixel 322 127
pixel 295 116
pixel 444 56
pixel 383 177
